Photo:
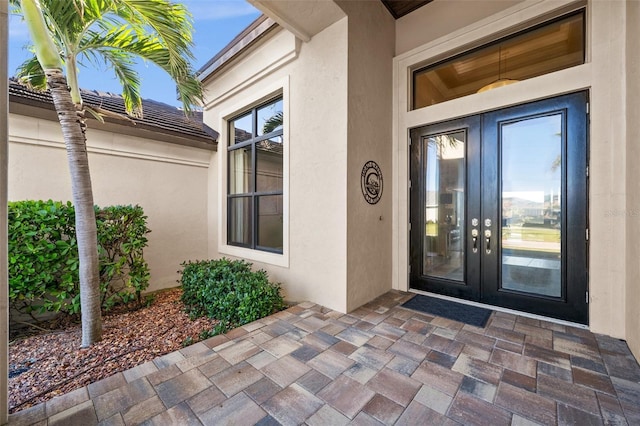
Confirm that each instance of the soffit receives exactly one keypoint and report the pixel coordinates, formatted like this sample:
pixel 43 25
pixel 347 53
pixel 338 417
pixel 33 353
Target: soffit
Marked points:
pixel 256 31
pixel 303 18
pixel 399 8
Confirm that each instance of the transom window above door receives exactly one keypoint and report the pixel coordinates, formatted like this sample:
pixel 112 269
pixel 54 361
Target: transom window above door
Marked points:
pixel 255 178
pixel 543 49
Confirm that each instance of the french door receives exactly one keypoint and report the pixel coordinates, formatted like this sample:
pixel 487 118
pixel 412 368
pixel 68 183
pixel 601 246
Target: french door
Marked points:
pixel 499 208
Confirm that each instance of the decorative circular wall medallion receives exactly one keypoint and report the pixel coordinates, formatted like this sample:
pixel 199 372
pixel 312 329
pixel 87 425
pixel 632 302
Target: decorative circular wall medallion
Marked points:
pixel 371 182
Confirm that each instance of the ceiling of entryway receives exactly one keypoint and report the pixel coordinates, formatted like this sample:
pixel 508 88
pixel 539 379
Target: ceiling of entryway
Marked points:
pixel 399 8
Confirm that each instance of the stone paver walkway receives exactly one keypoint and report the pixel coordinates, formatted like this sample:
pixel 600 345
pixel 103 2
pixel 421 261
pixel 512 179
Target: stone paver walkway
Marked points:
pixel 381 364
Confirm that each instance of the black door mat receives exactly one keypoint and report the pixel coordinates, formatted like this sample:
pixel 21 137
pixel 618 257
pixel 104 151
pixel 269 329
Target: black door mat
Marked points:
pixel 467 314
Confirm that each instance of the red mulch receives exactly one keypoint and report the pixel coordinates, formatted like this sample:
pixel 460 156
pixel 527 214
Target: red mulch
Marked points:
pixel 54 364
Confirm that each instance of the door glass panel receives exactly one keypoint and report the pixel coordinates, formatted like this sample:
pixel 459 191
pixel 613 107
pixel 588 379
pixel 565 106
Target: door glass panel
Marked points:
pixel 443 243
pixel 531 205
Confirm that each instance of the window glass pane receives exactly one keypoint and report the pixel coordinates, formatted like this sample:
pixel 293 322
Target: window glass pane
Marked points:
pixel 531 205
pixel 256 168
pixel 269 165
pixel 239 220
pixel 240 170
pixel 444 208
pixel 270 118
pixel 270 221
pixel 240 129
pixel 543 50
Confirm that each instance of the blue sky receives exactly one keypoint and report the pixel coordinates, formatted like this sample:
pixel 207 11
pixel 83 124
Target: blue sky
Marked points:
pixel 216 23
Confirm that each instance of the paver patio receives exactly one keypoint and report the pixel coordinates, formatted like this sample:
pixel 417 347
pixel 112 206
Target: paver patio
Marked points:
pixel 382 364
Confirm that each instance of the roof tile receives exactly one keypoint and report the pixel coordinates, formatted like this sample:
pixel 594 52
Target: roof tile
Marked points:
pixel 157 116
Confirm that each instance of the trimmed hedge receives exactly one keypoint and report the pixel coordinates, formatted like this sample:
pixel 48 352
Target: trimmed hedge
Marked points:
pixel 229 291
pixel 43 256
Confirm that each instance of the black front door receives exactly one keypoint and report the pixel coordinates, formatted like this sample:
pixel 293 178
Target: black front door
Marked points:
pixel 499 208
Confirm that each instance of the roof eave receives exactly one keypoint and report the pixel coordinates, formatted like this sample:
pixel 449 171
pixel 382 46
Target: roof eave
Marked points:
pixel 256 31
pixel 46 111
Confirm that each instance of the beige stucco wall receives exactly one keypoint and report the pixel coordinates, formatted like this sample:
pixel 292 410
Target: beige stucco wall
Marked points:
pixel 371 49
pixel 339 117
pixel 633 177
pixel 312 78
pixel 613 270
pixel 607 195
pixel 169 181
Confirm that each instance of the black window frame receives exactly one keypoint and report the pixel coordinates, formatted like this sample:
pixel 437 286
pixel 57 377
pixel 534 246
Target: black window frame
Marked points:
pixel 253 195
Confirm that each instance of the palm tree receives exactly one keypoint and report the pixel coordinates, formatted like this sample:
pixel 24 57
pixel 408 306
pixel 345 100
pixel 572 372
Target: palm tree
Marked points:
pixel 114 32
pixel 273 123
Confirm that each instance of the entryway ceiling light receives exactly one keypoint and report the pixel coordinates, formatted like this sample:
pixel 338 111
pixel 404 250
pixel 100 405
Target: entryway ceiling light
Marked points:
pixel 500 82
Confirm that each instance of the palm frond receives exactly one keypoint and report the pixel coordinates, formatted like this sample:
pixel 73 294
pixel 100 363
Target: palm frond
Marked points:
pixel 100 113
pixel 172 22
pixel 122 64
pixel 116 31
pixel 63 19
pixel 273 123
pixel 14 7
pixel 152 49
pixel 30 74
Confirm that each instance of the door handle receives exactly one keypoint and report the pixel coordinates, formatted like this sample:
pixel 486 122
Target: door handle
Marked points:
pixel 487 237
pixel 474 236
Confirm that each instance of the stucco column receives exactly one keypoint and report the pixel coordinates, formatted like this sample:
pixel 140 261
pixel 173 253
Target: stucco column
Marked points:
pixel 4 142
pixel 632 298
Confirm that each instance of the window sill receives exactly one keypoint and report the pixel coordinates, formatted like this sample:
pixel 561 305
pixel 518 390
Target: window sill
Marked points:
pixel 265 257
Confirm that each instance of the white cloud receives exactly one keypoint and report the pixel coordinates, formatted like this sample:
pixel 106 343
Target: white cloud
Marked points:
pixel 17 28
pixel 213 10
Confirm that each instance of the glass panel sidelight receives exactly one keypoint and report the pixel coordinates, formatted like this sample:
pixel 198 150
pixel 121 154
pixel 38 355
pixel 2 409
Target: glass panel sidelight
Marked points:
pixel 531 161
pixel 444 210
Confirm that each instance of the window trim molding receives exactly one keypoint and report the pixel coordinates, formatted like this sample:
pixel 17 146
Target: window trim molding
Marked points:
pixel 259 95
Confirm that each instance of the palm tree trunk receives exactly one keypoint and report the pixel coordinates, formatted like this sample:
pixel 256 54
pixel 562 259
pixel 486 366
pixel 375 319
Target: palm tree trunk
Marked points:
pixel 73 130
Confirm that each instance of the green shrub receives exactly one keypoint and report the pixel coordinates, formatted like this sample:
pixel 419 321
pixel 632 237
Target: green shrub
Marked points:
pixel 124 274
pixel 43 256
pixel 229 291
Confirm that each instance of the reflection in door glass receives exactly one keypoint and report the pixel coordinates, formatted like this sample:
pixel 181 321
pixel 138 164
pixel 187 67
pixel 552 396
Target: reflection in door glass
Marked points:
pixel 531 205
pixel 443 245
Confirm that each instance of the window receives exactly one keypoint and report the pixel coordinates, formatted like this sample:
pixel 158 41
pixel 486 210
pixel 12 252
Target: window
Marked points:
pixel 255 178
pixel 540 50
